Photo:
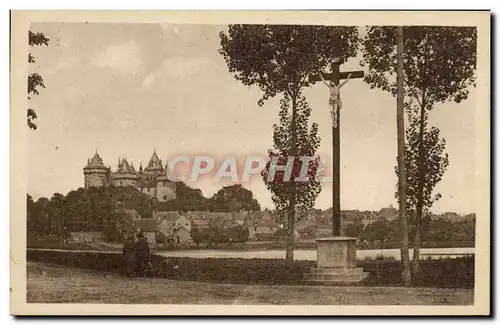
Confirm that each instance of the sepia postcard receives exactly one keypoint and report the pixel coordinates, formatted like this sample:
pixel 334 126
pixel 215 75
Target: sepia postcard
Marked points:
pixel 250 163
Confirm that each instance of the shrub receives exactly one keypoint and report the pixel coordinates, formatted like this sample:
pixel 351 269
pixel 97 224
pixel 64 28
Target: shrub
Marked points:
pixel 234 270
pixel 230 270
pixel 448 273
pixel 442 273
pixel 54 242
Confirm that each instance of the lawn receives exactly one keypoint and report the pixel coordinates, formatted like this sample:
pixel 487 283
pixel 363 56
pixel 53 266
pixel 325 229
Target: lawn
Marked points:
pixel 59 284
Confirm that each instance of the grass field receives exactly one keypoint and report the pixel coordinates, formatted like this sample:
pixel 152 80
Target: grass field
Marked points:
pixel 55 284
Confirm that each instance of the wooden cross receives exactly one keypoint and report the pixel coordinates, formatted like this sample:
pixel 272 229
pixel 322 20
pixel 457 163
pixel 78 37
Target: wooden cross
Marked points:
pixel 336 76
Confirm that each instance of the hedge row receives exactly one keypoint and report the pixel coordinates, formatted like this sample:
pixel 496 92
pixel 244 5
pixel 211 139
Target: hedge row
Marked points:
pixel 231 270
pixel 440 273
pixel 450 273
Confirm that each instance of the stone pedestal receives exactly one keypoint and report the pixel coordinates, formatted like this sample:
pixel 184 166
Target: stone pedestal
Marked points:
pixel 336 262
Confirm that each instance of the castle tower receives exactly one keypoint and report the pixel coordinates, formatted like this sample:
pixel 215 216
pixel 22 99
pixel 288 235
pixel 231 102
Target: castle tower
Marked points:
pixel 95 173
pixel 147 177
pixel 154 166
pixel 166 190
pixel 125 174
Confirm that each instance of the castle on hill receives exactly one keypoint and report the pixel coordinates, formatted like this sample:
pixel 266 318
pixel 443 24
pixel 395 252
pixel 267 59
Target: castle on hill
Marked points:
pixel 151 180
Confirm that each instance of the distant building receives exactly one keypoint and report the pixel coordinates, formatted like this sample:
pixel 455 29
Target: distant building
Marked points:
pixel 324 231
pixel 182 222
pixel 182 237
pixel 166 221
pixel 173 227
pixel 241 218
pixel 388 214
pixel 95 173
pixel 165 231
pixel 149 226
pixel 282 234
pixel 170 216
pixel 200 223
pixel 151 180
pixel 264 229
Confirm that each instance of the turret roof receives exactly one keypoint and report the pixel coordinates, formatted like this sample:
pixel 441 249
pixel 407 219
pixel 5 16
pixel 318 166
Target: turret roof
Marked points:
pixel 154 162
pixel 95 162
pixel 125 167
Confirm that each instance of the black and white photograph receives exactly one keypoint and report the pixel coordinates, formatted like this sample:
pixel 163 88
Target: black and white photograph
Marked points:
pixel 326 163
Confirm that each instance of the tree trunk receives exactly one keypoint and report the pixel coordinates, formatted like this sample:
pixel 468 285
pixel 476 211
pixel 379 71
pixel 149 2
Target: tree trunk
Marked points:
pixel 291 208
pixel 50 223
pixel 416 245
pixel 420 190
pixel 291 224
pixel 405 257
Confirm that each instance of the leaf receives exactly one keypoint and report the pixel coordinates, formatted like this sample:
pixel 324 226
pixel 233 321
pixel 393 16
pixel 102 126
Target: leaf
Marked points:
pixel 31 114
pixel 34 79
pixel 278 58
pixel 439 62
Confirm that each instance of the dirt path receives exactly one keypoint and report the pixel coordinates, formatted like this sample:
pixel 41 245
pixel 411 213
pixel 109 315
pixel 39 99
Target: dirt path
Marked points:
pixel 55 284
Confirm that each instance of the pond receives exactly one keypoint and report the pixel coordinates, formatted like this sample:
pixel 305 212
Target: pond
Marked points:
pixel 310 254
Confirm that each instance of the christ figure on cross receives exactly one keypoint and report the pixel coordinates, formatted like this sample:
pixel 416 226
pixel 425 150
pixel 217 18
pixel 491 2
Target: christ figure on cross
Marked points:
pixel 335 104
pixel 334 100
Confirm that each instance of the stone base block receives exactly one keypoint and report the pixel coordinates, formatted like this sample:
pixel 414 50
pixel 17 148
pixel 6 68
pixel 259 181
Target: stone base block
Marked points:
pixel 336 276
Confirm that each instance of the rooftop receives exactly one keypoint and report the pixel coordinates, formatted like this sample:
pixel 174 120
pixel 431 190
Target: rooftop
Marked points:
pixel 95 162
pixel 167 215
pixel 148 225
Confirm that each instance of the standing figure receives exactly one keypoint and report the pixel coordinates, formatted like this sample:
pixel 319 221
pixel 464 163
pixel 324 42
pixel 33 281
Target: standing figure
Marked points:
pixel 141 249
pixel 128 257
pixel 334 100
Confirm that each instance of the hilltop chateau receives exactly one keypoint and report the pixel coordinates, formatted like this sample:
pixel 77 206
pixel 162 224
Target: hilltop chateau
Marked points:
pixel 151 180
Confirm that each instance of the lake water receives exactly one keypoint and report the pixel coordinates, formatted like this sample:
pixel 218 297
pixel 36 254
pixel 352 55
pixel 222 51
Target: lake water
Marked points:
pixel 310 254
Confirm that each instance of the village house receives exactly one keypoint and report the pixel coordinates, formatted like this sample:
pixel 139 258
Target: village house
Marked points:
pixel 182 237
pixel 324 230
pixel 264 229
pixel 198 219
pixel 242 218
pixel 182 222
pixel 221 220
pixel 173 227
pixel 200 223
pixel 166 215
pixel 182 231
pixel 307 228
pixel 389 213
pixel 282 234
pixel 165 232
pixel 149 227
pixel 165 228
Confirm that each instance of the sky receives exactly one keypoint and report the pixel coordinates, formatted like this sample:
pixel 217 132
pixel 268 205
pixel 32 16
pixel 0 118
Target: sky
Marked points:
pixel 128 89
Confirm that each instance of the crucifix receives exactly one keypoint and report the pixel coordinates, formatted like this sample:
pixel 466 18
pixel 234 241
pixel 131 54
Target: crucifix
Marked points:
pixel 335 105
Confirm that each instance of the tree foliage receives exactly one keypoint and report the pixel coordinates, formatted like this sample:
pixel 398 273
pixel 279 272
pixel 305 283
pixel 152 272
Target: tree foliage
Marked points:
pixel 227 199
pixel 187 199
pixel 439 62
pixel 308 143
pixel 439 66
pixel 232 199
pixel 94 209
pixel 120 226
pixel 435 163
pixel 278 58
pixel 441 232
pixel 35 81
